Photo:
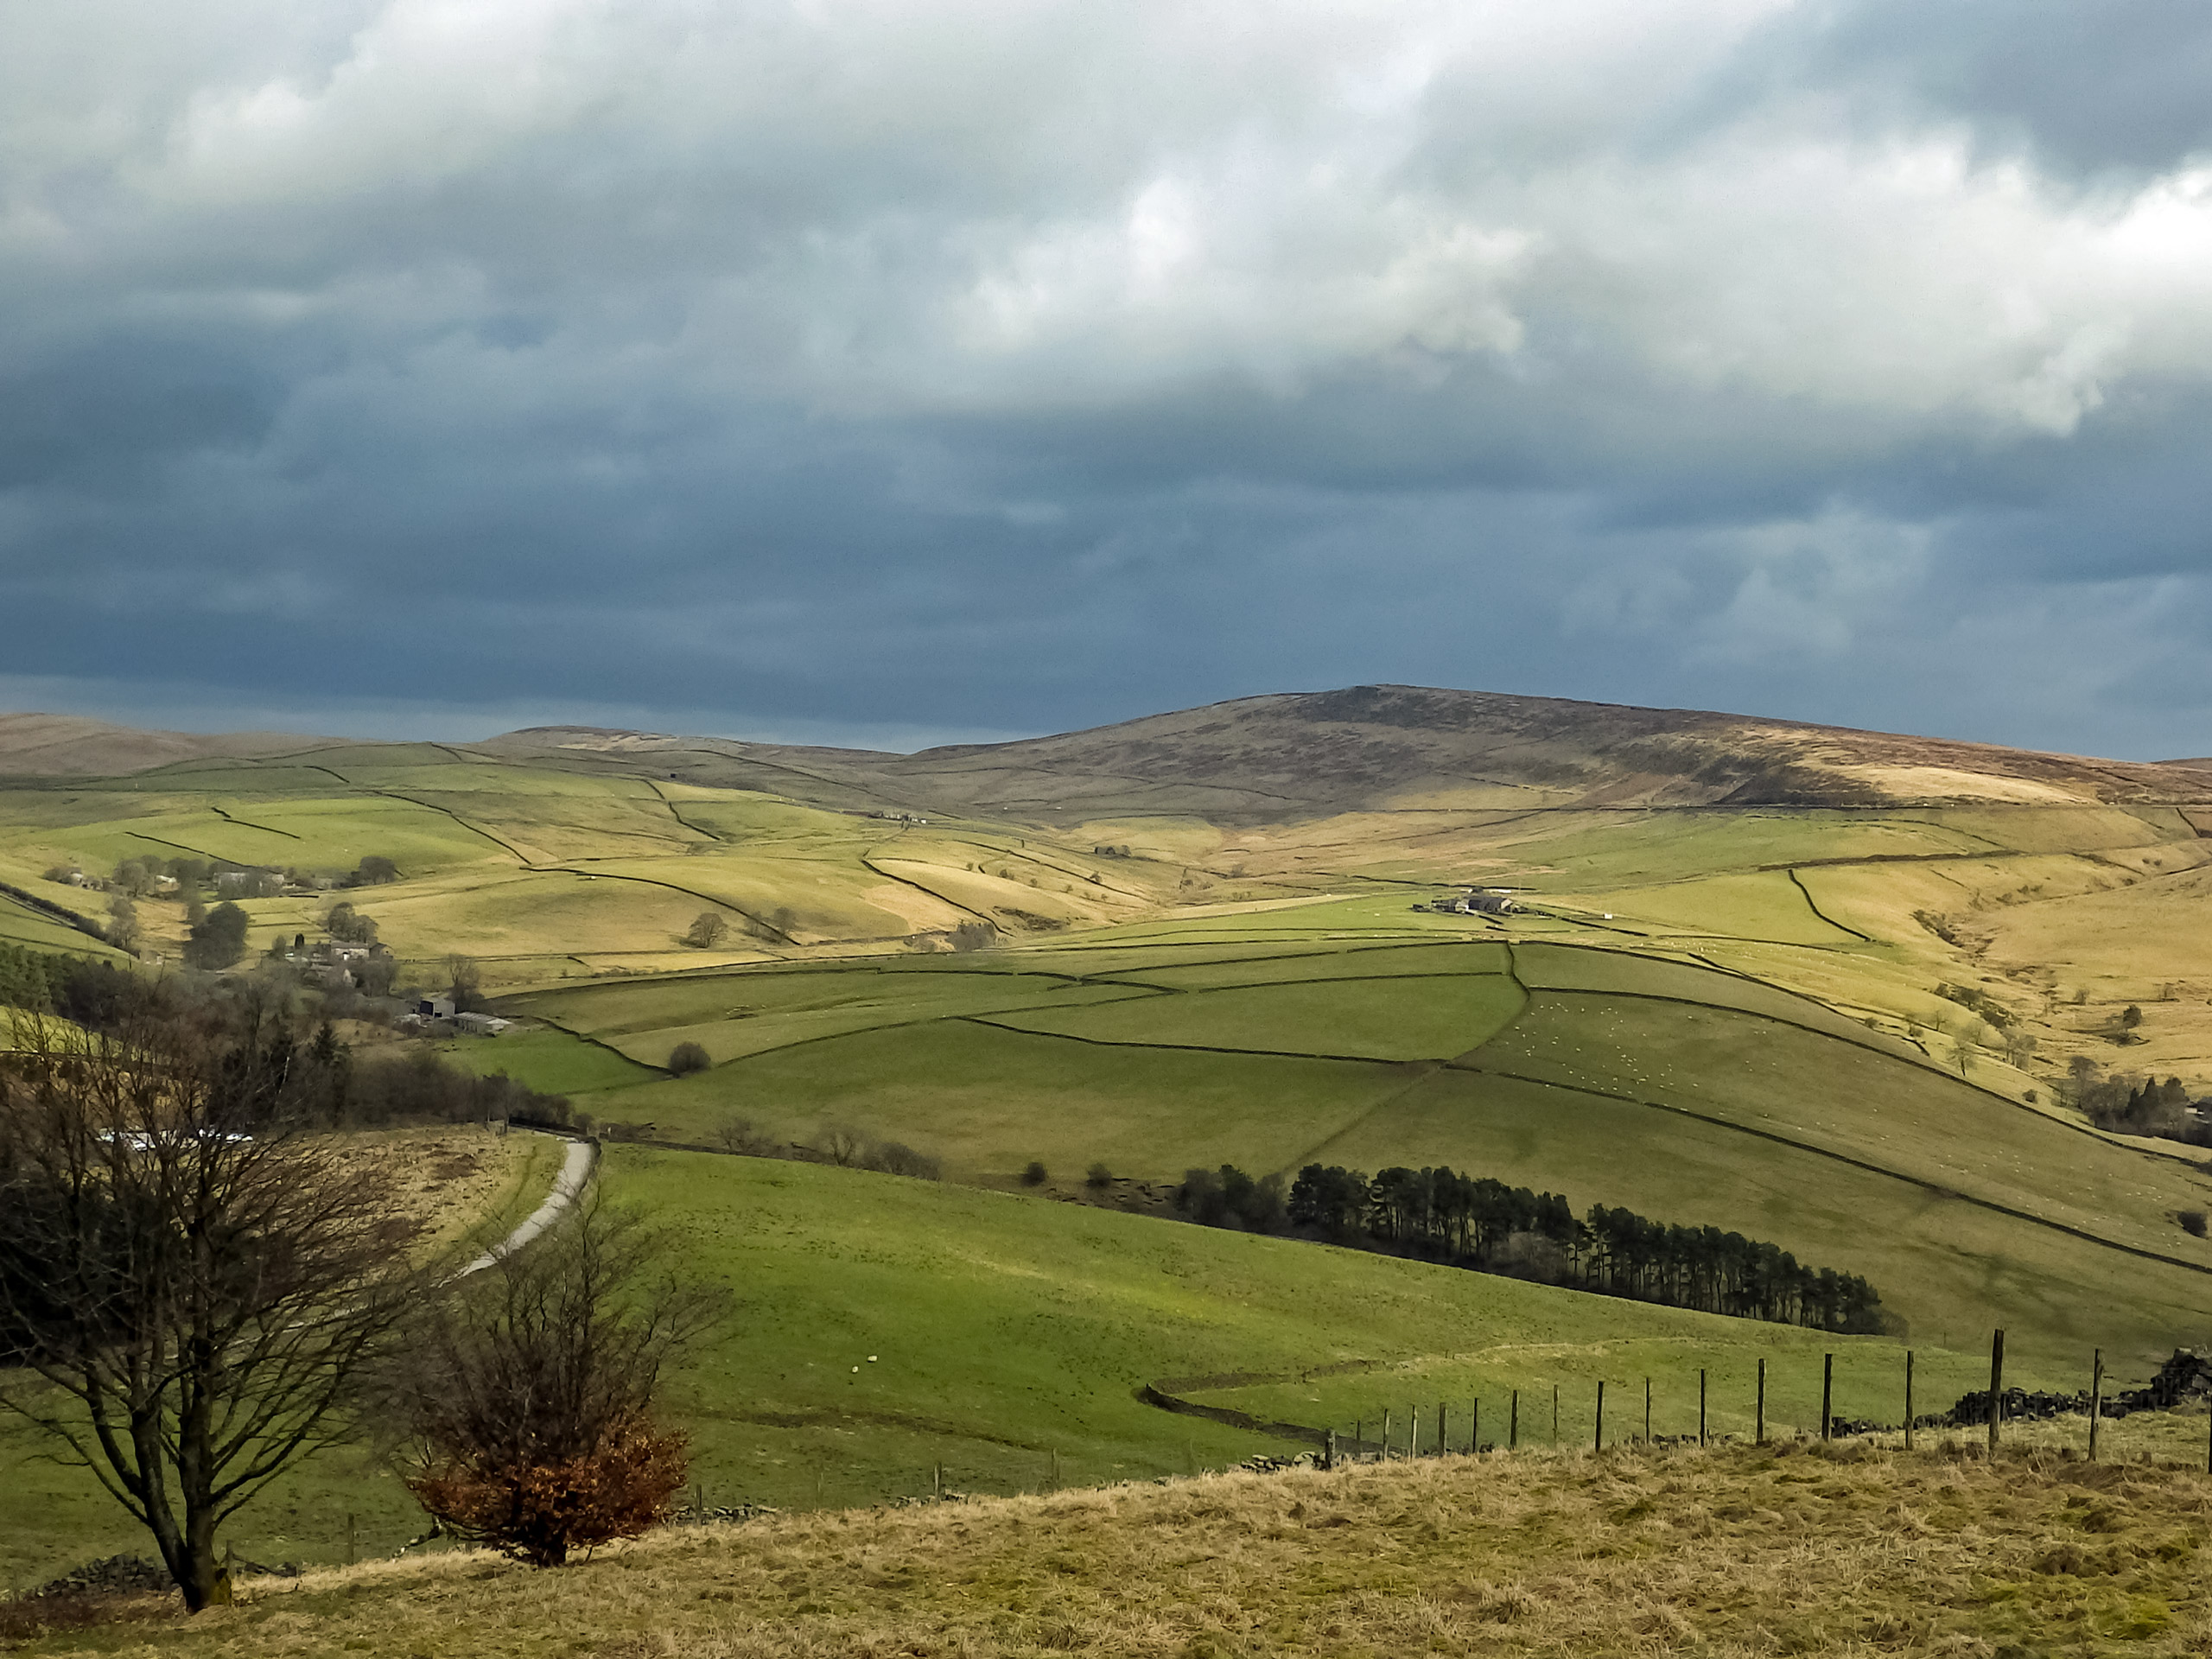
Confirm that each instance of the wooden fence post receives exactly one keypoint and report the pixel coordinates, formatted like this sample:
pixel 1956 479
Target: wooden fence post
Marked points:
pixel 1443 1429
pixel 1828 1394
pixel 1600 1441
pixel 349 1537
pixel 1760 1434
pixel 1329 1450
pixel 1513 1423
pixel 1554 1414
pixel 1412 1432
pixel 1647 1411
pixel 1908 1399
pixel 2096 1396
pixel 1475 1428
pixel 1700 1406
pixel 1359 1437
pixel 1996 1386
pixel 1385 1458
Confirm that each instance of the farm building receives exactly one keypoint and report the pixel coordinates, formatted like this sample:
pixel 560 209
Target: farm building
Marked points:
pixel 1475 902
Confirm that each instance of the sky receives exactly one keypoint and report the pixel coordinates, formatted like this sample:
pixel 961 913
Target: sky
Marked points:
pixel 899 372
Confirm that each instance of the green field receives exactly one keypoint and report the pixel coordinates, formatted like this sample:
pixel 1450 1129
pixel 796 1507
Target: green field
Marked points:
pixel 1009 1336
pixel 1714 1016
pixel 1685 1093
pixel 556 1062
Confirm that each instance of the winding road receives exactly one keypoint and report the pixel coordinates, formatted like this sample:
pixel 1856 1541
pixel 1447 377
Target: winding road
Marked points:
pixel 575 1170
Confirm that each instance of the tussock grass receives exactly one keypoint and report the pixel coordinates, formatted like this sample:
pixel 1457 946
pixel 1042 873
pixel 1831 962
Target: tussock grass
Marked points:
pixel 1735 1551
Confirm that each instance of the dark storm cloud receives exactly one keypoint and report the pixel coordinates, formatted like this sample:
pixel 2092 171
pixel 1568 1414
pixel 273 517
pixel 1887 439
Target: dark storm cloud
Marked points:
pixel 868 368
pixel 2088 89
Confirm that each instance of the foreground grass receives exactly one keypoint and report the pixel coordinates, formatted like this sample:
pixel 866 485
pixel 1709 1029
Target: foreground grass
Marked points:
pixel 1787 1550
pixel 885 1328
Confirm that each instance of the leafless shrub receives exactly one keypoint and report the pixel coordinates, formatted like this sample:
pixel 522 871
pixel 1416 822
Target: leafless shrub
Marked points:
pixel 839 1144
pixel 529 1396
pixel 738 1134
pixel 848 1148
pixel 896 1158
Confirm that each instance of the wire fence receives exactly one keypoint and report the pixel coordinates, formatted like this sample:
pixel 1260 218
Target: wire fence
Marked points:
pixel 1601 1412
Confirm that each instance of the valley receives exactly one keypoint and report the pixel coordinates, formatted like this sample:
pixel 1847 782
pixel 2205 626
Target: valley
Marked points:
pixel 1835 991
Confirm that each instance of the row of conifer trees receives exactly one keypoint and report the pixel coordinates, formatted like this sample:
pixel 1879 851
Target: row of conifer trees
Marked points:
pixel 1477 1222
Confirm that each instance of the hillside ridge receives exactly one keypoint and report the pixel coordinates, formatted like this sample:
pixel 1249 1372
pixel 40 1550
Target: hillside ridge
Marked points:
pixel 1395 748
pixel 1281 755
pixel 41 745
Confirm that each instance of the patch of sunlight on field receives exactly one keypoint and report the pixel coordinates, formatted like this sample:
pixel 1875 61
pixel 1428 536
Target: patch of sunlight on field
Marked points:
pixel 20 925
pixel 1389 1019
pixel 1947 1268
pixel 988 1100
pixel 1855 1103
pixel 986 995
pixel 810 899
pixel 1049 895
pixel 1769 906
pixel 1327 961
pixel 552 1062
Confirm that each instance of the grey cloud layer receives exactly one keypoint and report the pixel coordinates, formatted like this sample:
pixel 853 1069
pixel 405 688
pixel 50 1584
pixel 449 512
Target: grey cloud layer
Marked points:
pixel 978 367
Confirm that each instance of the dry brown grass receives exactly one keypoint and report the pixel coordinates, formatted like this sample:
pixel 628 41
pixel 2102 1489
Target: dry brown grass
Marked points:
pixel 451 1178
pixel 1734 1552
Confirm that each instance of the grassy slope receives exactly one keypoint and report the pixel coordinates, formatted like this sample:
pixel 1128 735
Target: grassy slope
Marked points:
pixel 1730 1552
pixel 548 873
pixel 1008 1332
pixel 1689 1095
pixel 553 1061
pixel 1006 1329
pixel 21 925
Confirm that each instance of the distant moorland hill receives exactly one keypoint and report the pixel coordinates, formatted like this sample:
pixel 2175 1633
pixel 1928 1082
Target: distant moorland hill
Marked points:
pixel 68 746
pixel 1291 754
pixel 1374 746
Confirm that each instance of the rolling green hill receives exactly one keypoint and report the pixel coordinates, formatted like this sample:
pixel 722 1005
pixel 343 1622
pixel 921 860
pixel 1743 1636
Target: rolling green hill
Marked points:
pixel 885 1326
pixel 1687 1094
pixel 1820 988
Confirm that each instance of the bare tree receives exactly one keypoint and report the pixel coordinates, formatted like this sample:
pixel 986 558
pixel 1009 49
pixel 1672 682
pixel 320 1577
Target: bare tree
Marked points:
pixel 1964 1050
pixel 192 1273
pixel 529 1396
pixel 739 1135
pixel 708 930
pixel 122 923
pixel 976 935
pixel 463 976
pixel 842 1145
